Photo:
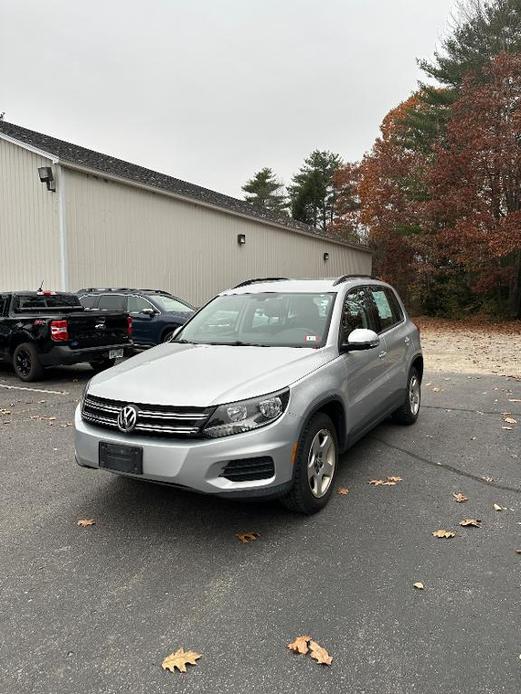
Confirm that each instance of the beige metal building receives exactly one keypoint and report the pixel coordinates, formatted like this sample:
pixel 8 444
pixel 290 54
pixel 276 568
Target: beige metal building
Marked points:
pixel 77 218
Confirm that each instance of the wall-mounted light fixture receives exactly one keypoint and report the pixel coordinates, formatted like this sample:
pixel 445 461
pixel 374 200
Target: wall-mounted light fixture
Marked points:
pixel 241 239
pixel 46 176
pixel 326 257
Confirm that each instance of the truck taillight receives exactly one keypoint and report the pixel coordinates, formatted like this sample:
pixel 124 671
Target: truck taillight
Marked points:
pixel 59 331
pixel 129 326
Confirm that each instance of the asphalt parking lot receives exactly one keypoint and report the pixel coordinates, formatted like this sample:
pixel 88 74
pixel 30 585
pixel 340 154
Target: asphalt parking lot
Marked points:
pixel 97 609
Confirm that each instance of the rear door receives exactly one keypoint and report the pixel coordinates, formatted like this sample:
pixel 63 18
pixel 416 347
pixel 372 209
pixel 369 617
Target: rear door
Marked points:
pixel 393 329
pixel 365 370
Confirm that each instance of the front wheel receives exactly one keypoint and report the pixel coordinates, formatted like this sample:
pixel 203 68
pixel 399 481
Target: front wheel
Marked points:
pixel 315 466
pixel 409 411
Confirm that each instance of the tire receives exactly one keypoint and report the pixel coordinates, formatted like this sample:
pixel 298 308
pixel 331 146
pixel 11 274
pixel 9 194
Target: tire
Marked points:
pixel 308 494
pixel 102 364
pixel 26 362
pixel 409 411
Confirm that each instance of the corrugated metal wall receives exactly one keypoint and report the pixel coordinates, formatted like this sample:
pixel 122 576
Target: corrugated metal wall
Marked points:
pixel 119 235
pixel 29 243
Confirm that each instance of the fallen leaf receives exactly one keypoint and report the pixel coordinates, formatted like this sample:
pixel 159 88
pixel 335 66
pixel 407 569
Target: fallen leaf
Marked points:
pixel 389 483
pixel 507 428
pixel 460 497
pixel 444 533
pixel 518 551
pixel 320 654
pixel 342 491
pixel 85 522
pixel 514 400
pixel 470 523
pixel 419 585
pixel 510 420
pixel 497 507
pixel 247 537
pixel 394 479
pixel 376 483
pixel 180 659
pixel 300 644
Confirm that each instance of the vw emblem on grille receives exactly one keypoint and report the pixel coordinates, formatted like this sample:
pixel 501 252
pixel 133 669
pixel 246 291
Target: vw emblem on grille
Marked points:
pixel 127 418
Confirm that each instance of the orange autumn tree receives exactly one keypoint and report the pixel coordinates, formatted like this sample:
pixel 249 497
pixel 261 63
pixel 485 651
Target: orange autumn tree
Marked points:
pixel 475 183
pixel 391 193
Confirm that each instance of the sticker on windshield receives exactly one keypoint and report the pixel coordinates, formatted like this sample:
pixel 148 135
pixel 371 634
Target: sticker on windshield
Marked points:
pixel 312 338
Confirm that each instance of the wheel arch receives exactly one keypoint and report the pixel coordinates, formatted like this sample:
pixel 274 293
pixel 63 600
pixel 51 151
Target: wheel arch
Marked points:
pixel 417 363
pixel 334 409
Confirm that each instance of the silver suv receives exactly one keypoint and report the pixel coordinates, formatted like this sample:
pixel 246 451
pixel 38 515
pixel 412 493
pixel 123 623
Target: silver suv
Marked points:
pixel 260 392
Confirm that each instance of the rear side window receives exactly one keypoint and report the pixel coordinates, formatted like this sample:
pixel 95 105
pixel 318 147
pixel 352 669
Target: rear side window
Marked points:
pixel 387 307
pixel 90 300
pixel 357 312
pixel 113 302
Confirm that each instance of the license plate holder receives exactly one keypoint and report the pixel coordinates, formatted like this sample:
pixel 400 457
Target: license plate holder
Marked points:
pixel 115 353
pixel 121 458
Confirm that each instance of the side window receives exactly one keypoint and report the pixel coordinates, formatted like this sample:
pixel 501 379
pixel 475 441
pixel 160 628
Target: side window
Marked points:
pixel 137 304
pixel 3 304
pixel 357 312
pixel 89 300
pixel 112 302
pixel 384 307
pixel 395 305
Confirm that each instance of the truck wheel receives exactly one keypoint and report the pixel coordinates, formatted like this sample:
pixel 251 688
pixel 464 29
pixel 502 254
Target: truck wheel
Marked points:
pixel 409 411
pixel 315 466
pixel 26 362
pixel 102 364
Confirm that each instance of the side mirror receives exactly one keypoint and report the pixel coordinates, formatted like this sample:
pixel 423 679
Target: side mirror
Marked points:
pixel 360 339
pixel 148 312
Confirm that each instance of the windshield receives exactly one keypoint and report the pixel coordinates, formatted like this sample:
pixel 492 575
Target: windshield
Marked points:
pixel 169 304
pixel 266 320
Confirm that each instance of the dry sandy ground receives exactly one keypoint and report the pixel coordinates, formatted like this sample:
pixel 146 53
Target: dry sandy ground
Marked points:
pixel 471 347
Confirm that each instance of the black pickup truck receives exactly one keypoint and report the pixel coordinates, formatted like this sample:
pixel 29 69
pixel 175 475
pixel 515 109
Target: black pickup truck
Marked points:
pixel 43 328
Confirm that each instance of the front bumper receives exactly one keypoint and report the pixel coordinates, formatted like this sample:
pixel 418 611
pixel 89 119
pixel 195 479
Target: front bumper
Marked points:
pixel 198 464
pixel 63 354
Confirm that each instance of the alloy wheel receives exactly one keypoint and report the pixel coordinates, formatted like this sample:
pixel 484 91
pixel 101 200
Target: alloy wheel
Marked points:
pixel 321 463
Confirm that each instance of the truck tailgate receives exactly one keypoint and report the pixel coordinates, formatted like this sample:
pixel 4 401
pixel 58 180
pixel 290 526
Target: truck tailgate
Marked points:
pixel 96 329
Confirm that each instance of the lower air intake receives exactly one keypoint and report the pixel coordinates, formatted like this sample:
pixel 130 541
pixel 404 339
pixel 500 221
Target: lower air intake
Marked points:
pixel 249 469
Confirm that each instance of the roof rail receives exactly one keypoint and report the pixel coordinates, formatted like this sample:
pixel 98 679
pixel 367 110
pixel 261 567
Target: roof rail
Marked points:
pixel 105 289
pixel 260 279
pixel 344 278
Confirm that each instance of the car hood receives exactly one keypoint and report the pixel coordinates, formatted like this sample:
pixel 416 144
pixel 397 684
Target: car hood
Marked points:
pixel 206 375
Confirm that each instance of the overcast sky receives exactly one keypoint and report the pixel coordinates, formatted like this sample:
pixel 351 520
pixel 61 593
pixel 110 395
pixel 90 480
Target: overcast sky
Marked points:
pixel 212 90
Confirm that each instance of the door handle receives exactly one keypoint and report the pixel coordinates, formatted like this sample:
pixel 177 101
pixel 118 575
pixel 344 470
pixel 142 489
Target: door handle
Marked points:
pixel 407 340
pixel 382 355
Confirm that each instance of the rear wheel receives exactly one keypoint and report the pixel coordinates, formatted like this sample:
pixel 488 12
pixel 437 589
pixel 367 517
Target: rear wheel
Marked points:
pixel 409 411
pixel 26 362
pixel 315 466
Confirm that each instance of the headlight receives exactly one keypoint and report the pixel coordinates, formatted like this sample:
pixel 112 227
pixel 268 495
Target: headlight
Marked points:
pixel 238 417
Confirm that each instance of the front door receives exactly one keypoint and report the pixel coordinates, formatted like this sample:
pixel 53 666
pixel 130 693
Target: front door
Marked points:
pixel 143 328
pixel 364 370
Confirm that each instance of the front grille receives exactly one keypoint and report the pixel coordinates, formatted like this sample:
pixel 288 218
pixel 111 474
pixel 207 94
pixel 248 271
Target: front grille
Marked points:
pixel 155 420
pixel 248 469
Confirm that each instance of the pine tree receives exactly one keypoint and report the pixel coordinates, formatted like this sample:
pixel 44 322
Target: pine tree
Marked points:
pixel 264 192
pixel 313 194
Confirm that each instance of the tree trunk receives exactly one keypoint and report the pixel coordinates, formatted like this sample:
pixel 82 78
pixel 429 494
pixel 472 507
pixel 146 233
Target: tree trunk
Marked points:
pixel 515 288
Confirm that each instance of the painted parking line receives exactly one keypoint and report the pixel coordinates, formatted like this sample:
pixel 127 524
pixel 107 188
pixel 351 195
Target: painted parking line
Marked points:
pixel 35 390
